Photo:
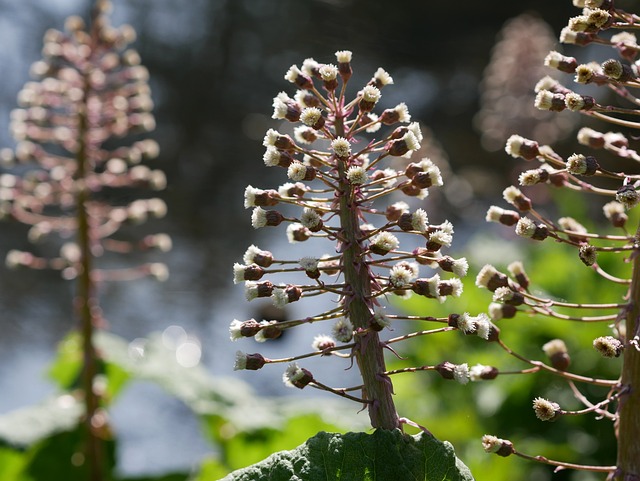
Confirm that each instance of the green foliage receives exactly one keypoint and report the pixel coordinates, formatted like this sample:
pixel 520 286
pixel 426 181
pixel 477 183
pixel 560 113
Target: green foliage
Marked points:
pixel 244 427
pixel 503 406
pixel 361 456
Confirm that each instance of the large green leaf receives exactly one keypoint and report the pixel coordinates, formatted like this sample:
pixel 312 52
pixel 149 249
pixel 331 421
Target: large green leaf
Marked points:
pixel 383 455
pixel 13 464
pixel 60 457
pixel 228 399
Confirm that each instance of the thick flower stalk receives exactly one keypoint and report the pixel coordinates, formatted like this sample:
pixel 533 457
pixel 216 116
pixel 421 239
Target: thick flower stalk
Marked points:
pixel 594 170
pixel 338 175
pixel 90 92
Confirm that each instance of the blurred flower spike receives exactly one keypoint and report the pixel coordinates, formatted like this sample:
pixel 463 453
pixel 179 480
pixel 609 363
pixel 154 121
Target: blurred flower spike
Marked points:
pixel 90 92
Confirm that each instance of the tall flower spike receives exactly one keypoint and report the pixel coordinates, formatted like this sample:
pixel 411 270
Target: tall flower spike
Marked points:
pixel 337 175
pixel 615 180
pixel 90 94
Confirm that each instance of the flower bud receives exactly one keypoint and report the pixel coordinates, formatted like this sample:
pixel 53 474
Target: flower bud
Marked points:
pixel 322 342
pixel 591 138
pixel 558 61
pixel 383 243
pixel 556 351
pixel 251 362
pixel 394 211
pixel 504 217
pixel 517 199
pixel 588 254
pixel 490 278
pixel 458 266
pixel 483 373
pixel 628 196
pixel 614 211
pixel 253 255
pixel 458 372
pixel 400 113
pixel 532 177
pixel 297 77
pixel 369 97
pixel 616 70
pixel 501 447
pixel 262 218
pixel 527 228
pixel 499 311
pixel 258 289
pixel 295 376
pixel 576 102
pixel 516 269
pixel 344 64
pixel 329 75
pixel 268 330
pixel 507 296
pixel 578 164
pixel 546 100
pixel 252 272
pixel 518 146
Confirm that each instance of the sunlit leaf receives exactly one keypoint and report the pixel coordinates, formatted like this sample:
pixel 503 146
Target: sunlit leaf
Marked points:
pixel 210 468
pixel 360 456
pixel 66 367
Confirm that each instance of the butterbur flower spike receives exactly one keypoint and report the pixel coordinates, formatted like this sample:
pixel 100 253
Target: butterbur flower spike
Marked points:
pixel 337 171
pixel 74 129
pixel 600 167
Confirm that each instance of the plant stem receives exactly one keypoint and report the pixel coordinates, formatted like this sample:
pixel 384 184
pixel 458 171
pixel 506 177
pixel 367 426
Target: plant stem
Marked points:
pixel 86 299
pixel 358 304
pixel 628 426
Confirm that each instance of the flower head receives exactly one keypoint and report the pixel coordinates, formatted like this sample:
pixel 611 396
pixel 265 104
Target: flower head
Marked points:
pixel 628 196
pixel 383 243
pixel 295 376
pixel 254 255
pixel 322 342
pixel 342 330
pixel 357 175
pixel 341 147
pixel 546 410
pixel 381 78
pixel 608 346
pixel 251 362
pixel 312 117
pixel 490 278
pixel 493 444
pixel 369 98
pixel 461 373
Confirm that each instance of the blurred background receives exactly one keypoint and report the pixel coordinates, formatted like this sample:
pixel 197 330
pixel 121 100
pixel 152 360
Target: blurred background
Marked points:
pixel 215 66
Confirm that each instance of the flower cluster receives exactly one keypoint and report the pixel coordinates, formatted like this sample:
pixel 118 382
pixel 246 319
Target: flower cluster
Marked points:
pixel 594 169
pixel 90 92
pixel 336 175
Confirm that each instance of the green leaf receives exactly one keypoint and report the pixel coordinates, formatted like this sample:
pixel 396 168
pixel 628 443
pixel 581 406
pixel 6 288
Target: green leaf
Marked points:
pixel 251 446
pixel 162 477
pixel 66 367
pixel 210 468
pixel 13 464
pixel 359 456
pixel 61 457
pixel 26 426
pixel 217 399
